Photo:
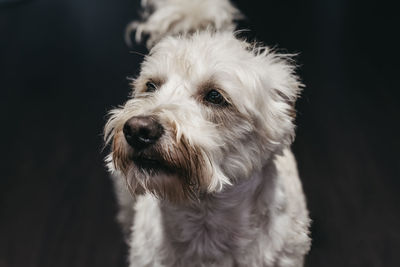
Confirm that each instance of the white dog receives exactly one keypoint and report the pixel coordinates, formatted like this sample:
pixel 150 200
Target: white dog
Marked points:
pixel 203 145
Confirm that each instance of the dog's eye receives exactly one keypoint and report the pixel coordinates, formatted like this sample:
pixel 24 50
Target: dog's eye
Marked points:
pixel 150 87
pixel 215 97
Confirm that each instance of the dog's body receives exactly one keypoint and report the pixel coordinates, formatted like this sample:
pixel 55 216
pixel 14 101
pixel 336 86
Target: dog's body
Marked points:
pixel 204 148
pixel 261 222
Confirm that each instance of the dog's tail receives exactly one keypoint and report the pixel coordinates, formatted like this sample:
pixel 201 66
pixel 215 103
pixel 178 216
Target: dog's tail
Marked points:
pixel 175 17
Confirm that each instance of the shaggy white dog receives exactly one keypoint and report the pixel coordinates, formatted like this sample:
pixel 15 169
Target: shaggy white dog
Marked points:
pixel 203 145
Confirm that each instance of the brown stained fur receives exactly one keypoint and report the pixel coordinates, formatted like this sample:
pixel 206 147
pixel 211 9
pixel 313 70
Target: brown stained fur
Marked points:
pixel 182 178
pixel 167 187
pixel 120 154
pixel 188 163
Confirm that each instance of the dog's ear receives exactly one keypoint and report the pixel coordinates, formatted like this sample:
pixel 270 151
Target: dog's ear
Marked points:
pixel 286 87
pixel 281 87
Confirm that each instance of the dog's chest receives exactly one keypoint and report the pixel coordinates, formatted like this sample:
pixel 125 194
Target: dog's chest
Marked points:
pixel 208 232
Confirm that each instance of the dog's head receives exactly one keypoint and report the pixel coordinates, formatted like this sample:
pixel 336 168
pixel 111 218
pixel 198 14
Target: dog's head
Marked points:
pixel 206 111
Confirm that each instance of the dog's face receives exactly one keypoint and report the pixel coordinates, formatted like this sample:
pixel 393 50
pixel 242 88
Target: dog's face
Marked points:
pixel 206 111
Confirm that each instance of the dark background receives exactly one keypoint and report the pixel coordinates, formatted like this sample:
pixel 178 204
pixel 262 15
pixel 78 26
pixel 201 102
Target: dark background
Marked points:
pixel 63 65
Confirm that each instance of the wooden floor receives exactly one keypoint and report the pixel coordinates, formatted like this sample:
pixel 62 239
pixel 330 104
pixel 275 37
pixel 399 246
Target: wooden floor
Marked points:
pixel 63 64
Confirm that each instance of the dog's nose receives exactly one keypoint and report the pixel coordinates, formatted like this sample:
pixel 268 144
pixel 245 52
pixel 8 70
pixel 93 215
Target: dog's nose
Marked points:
pixel 142 131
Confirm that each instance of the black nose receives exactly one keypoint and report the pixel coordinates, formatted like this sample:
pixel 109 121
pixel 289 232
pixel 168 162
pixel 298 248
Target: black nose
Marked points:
pixel 142 131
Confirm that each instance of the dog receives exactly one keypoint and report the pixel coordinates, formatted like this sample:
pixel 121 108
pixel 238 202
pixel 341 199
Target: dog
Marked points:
pixel 200 153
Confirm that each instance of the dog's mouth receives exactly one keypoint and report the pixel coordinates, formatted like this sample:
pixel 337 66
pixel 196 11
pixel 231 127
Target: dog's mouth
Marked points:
pixel 146 163
pixel 151 164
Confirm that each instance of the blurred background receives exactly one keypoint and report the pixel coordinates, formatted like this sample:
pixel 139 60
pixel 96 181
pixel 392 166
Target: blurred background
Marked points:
pixel 64 64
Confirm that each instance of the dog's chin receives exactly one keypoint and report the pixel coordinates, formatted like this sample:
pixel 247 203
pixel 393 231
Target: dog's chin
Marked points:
pixel 152 174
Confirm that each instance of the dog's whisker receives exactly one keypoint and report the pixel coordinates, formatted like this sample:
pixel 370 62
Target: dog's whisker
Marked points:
pixel 137 53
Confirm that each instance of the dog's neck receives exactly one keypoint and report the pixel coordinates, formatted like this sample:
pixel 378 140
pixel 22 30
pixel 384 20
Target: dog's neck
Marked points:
pixel 221 222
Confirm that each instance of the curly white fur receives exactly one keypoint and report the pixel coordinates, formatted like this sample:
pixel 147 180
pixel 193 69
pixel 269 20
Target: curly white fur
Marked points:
pixel 173 17
pixel 249 208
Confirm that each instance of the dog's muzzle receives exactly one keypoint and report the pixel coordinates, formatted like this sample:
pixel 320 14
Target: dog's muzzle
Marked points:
pixel 142 131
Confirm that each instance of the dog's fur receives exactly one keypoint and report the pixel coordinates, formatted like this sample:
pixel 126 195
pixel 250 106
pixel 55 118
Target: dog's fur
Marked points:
pixel 227 192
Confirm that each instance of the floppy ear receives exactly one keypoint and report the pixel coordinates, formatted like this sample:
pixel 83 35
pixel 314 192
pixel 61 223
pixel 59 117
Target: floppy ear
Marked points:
pixel 282 88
